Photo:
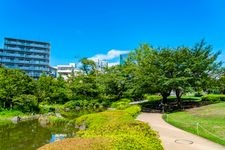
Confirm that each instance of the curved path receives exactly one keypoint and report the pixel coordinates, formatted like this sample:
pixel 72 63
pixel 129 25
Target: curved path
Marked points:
pixel 177 139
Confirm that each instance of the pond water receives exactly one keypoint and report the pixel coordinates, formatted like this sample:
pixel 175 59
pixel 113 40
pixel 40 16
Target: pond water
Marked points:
pixel 30 135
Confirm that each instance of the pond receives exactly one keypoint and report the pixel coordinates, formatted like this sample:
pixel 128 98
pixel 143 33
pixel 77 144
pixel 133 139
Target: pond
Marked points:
pixel 30 135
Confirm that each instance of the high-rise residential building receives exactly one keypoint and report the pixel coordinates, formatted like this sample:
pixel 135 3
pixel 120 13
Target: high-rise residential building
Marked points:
pixel 30 56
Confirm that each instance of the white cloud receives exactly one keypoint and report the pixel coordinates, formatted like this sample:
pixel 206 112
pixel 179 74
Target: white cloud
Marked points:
pixel 113 64
pixel 109 56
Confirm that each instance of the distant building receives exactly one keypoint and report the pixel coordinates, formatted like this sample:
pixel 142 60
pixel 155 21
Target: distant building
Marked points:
pixel 123 58
pixel 101 64
pixel 66 70
pixel 29 56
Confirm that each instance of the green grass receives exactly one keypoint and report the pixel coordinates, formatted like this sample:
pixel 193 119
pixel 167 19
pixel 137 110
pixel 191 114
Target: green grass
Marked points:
pixel 5 116
pixel 186 98
pixel 10 113
pixel 210 120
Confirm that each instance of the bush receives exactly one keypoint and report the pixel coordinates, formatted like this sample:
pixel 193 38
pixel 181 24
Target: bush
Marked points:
pixel 213 97
pixel 82 104
pixel 133 110
pixel 76 108
pixel 117 129
pixel 80 144
pixel 26 103
pixel 153 97
pixel 121 104
pixel 46 109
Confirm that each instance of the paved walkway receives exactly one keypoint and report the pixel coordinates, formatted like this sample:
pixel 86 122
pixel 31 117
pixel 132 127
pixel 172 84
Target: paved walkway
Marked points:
pixel 177 139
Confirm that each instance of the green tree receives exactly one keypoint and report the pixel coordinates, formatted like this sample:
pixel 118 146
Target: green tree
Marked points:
pixel 12 84
pixel 88 66
pixel 26 103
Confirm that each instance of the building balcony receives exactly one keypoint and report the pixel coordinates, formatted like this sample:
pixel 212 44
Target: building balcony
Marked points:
pixel 24 56
pixel 24 62
pixel 28 50
pixel 29 44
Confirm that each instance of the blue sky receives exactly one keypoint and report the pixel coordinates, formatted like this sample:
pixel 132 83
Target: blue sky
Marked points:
pixel 106 28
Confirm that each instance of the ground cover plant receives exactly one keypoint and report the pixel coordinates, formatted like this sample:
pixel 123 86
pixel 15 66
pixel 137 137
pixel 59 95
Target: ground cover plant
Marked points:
pixel 117 129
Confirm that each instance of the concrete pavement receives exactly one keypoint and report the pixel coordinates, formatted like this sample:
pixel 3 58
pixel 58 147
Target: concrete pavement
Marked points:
pixel 177 139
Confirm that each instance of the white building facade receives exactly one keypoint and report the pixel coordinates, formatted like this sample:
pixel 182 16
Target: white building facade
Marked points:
pixel 67 70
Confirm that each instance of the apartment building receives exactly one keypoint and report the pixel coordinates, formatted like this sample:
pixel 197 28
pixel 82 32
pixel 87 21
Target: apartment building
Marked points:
pixel 27 55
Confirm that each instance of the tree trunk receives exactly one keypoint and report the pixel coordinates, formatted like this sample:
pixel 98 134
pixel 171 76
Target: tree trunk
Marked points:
pixel 165 95
pixel 164 100
pixel 178 95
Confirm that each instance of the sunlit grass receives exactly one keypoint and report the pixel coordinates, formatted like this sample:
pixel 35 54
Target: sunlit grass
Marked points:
pixel 207 121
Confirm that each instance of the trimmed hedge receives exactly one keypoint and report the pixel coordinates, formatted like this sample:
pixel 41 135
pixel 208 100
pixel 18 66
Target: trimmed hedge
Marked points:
pixel 121 104
pixel 153 97
pixel 77 108
pixel 213 97
pixel 117 130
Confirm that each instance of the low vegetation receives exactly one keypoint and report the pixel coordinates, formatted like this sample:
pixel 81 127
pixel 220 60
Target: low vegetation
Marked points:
pixel 213 98
pixel 116 129
pixel 206 121
pixel 121 104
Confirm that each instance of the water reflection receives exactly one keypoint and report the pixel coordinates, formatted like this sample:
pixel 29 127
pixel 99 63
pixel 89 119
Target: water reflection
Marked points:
pixel 30 135
pixel 57 137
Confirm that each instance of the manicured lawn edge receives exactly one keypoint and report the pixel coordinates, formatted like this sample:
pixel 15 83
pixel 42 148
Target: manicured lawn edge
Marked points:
pixel 195 127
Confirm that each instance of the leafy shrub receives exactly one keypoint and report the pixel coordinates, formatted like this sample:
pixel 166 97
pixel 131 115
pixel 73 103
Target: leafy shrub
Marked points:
pixel 76 108
pixel 82 104
pixel 26 103
pixel 121 104
pixel 198 94
pixel 119 125
pixel 98 143
pixel 57 120
pixel 116 129
pixel 153 101
pixel 44 109
pixel 133 110
pixel 213 98
pixel 153 97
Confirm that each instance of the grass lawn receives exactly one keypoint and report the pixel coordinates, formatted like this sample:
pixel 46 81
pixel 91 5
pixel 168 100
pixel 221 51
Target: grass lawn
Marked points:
pixel 206 121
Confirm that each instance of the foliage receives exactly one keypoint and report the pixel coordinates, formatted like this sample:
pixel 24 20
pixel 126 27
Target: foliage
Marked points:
pixel 82 104
pixel 213 97
pixel 13 83
pixel 57 120
pixel 98 143
pixel 46 108
pixel 133 110
pixel 84 87
pixel 147 70
pixel 88 66
pixel 76 108
pixel 117 129
pixel 153 97
pixel 113 82
pixel 121 104
pixel 179 69
pixel 10 113
pixel 26 103
pixel 51 90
